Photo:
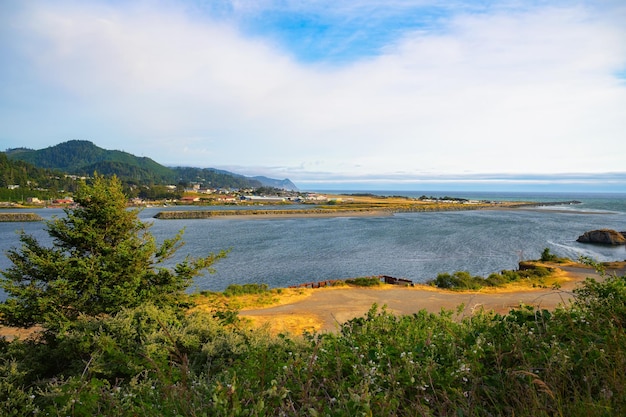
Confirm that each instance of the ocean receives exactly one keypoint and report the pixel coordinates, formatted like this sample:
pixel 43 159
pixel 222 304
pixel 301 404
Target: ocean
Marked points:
pixel 417 246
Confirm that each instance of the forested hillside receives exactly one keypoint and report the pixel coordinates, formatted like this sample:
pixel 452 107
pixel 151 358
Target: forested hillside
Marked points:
pixel 19 179
pixel 81 157
pixel 215 178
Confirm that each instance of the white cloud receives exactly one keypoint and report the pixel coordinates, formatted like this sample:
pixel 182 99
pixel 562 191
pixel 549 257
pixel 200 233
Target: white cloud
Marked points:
pixel 532 91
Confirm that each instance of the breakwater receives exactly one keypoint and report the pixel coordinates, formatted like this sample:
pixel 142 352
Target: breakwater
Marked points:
pixel 343 211
pixel 551 203
pixel 206 214
pixel 20 217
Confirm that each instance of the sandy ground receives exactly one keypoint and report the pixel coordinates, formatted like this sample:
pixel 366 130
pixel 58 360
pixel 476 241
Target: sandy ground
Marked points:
pixel 326 308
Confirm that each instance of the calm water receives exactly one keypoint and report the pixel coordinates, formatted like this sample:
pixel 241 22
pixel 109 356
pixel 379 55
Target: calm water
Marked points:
pixel 417 246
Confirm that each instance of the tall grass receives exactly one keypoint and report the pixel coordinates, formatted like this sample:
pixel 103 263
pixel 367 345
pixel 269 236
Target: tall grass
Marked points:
pixel 567 362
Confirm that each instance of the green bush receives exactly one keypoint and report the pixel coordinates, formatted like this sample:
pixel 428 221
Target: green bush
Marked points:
pixel 460 280
pixel 495 280
pixel 463 280
pixel 547 256
pixel 364 281
pixel 236 289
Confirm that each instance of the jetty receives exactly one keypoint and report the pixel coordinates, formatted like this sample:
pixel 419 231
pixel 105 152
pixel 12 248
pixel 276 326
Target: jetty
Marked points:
pixel 207 214
pixel 20 217
pixel 371 207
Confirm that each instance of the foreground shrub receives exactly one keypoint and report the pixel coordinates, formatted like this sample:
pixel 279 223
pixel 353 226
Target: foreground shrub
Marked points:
pixel 102 259
pixel 236 289
pixel 146 361
pixel 462 280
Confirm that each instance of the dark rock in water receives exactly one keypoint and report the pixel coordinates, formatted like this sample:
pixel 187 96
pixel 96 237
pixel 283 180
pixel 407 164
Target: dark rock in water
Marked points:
pixel 603 236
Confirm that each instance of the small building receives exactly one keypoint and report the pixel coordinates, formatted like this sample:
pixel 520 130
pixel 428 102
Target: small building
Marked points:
pixel 316 197
pixel 264 199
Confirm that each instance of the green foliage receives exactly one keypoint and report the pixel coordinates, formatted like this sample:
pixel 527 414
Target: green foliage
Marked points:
pixel 364 281
pixel 547 256
pixel 463 280
pixel 32 181
pixel 460 280
pixel 103 259
pixel 236 289
pixel 153 361
pixel 81 157
pixel 158 192
pixel 214 178
pixel 266 190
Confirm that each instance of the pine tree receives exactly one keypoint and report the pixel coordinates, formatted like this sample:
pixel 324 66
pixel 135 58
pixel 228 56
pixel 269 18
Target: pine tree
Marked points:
pixel 102 259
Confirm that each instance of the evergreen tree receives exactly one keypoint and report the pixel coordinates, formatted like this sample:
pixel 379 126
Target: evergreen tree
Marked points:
pixel 102 259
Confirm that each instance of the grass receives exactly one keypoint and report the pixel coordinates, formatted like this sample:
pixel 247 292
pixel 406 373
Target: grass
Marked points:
pixel 536 274
pixel 567 362
pixel 529 275
pixel 148 361
pixel 255 296
pixel 364 282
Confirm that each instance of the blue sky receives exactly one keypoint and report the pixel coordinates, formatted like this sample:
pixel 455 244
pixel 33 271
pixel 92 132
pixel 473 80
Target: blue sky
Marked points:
pixel 404 94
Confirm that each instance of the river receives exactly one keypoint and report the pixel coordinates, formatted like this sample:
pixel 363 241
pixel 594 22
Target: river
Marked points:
pixel 416 246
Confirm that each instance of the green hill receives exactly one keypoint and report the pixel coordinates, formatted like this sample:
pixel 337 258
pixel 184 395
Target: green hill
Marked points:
pixel 82 157
pixel 20 180
pixel 214 178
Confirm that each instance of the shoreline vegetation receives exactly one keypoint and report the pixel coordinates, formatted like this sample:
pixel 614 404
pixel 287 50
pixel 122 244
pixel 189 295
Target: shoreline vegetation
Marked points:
pixel 297 309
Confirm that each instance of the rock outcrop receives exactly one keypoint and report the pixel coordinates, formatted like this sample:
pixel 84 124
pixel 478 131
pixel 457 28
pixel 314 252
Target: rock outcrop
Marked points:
pixel 603 236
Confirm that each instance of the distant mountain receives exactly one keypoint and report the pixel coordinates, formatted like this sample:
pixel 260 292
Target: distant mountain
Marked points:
pixel 215 178
pixel 285 184
pixel 82 157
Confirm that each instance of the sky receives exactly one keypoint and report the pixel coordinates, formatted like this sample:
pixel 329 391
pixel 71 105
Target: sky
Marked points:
pixel 332 94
